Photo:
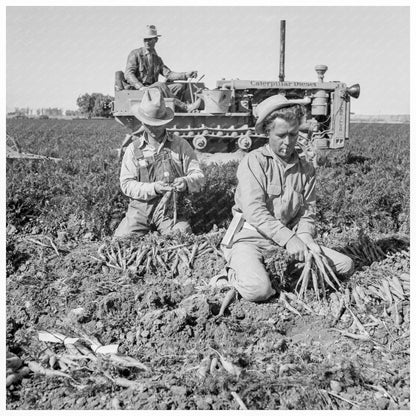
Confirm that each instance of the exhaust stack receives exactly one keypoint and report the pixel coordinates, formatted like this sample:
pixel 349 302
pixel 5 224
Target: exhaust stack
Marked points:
pixel 282 50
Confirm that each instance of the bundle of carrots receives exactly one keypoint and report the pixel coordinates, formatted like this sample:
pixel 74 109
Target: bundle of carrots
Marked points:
pixel 155 254
pixel 320 272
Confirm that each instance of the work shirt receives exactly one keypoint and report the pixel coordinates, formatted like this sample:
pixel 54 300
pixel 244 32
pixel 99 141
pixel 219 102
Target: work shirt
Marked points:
pixel 182 157
pixel 144 67
pixel 276 198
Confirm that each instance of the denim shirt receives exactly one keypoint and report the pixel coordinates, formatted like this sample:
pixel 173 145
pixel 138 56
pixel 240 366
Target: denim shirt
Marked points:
pixel 138 70
pixel 276 198
pixel 183 156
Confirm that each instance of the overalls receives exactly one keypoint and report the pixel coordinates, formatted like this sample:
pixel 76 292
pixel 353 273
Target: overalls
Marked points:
pixel 140 218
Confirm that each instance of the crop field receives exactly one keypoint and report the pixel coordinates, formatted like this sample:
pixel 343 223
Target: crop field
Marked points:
pixel 97 323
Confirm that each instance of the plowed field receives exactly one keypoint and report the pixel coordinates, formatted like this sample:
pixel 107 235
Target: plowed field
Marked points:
pixel 94 323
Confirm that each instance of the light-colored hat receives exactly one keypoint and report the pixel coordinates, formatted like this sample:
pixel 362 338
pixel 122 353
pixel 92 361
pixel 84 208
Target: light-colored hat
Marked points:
pixel 273 103
pixel 152 109
pixel 150 32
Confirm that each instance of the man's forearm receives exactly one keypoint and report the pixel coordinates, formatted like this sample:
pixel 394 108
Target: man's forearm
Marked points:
pixel 130 72
pixel 176 76
pixel 195 181
pixel 134 189
pixel 132 80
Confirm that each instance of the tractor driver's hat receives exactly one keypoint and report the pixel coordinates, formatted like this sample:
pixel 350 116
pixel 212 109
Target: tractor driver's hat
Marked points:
pixel 150 32
pixel 152 109
pixel 273 103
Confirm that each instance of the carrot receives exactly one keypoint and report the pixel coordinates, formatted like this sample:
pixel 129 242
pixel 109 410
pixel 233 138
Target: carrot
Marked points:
pixel 38 369
pixel 193 253
pixel 386 290
pixel 360 337
pixel 357 298
pixel 161 262
pixel 294 298
pixel 175 264
pixel 141 255
pixel 340 312
pixel 204 367
pixel 124 382
pixel 288 305
pixel 229 297
pixel 101 254
pixel 395 282
pixel 213 366
pixel 15 377
pixel 315 283
pixel 304 278
pixel 228 365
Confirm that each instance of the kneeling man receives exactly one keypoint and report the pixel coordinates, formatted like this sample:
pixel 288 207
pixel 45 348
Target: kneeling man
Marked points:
pixel 155 163
pixel 276 200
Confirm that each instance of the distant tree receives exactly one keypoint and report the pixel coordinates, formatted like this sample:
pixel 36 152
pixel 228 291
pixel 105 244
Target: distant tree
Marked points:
pixel 85 104
pixel 102 105
pixel 95 105
pixel 71 113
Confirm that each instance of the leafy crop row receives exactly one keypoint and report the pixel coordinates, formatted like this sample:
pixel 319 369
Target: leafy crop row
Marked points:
pixel 366 184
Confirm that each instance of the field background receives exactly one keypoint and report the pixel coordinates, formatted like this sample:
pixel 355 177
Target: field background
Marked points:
pixel 287 361
pixel 365 185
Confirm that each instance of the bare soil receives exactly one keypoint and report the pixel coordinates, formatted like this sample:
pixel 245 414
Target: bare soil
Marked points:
pixel 267 355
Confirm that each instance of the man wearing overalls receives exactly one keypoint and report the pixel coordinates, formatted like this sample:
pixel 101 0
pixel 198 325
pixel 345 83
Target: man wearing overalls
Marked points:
pixel 156 163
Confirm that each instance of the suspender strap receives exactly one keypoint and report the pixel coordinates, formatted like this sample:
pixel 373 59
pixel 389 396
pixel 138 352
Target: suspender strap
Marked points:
pixel 142 172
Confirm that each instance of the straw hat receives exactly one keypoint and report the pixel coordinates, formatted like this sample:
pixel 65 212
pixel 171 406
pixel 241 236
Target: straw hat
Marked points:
pixel 150 32
pixel 273 103
pixel 152 109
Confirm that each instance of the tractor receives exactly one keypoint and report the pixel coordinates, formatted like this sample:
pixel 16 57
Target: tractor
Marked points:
pixel 226 123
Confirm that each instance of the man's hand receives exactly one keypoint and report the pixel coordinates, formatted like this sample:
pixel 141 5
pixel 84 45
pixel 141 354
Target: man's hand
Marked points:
pixel 180 184
pixel 191 74
pixel 310 243
pixel 296 248
pixel 161 187
pixel 138 86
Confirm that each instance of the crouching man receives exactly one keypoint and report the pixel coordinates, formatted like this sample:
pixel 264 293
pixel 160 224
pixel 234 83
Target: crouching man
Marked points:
pixel 156 163
pixel 276 202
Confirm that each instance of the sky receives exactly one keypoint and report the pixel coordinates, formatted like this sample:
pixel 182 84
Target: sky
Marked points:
pixel 54 54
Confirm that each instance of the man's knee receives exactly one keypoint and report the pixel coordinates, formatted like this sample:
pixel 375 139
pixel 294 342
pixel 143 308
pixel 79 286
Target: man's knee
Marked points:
pixel 254 290
pixel 342 264
pixel 258 293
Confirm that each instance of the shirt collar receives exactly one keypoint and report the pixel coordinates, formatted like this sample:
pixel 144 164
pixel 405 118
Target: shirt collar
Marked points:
pixel 143 140
pixel 144 51
pixel 268 152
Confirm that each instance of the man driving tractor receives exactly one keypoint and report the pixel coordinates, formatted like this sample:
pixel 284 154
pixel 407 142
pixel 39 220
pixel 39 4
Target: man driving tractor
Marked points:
pixel 144 66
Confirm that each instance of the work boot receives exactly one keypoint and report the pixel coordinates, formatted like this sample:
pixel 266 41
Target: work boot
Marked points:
pixel 220 279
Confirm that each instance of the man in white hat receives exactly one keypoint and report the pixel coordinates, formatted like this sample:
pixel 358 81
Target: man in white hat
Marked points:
pixel 144 66
pixel 276 202
pixel 156 165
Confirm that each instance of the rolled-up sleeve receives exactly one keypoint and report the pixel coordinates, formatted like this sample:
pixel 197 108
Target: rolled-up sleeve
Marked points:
pixel 251 199
pixel 194 176
pixel 129 184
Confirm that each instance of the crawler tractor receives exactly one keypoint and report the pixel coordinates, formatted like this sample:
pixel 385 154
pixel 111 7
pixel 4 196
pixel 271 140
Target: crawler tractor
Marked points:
pixel 226 123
